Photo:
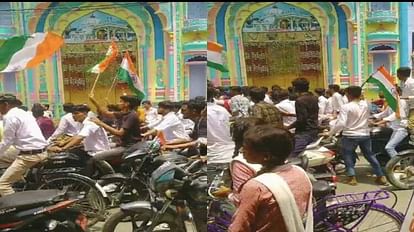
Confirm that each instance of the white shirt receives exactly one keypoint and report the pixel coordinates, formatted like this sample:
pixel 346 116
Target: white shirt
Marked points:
pixel 337 101
pixel 287 106
pixel 352 119
pixel 172 127
pixel 408 88
pixel 22 131
pixel 268 100
pixel 389 115
pixel 152 115
pixel 67 125
pixel 220 146
pixel 322 103
pixel 329 108
pixel 95 138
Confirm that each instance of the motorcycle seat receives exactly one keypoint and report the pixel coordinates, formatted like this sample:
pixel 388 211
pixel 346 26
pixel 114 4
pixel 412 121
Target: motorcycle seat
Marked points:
pixel 320 188
pixel 138 154
pixel 314 144
pixel 28 199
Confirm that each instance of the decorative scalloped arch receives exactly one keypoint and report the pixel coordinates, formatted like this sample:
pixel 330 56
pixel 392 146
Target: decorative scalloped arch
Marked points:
pixel 323 12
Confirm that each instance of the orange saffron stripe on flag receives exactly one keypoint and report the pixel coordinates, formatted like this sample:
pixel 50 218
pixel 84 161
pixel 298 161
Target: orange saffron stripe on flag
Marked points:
pixel 130 64
pixel 105 63
pixel 215 47
pixel 44 50
pixel 386 74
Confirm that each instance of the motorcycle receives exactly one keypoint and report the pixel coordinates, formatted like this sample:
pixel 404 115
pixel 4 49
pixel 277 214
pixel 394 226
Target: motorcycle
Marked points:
pixel 178 201
pixel 41 210
pixel 131 185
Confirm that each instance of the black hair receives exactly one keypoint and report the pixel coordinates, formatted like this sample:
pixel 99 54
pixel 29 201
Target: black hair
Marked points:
pixel 68 107
pixel 38 110
pixel 277 143
pixel 257 94
pixel 320 91
pixel 354 91
pixel 10 99
pixel 334 87
pixel 197 106
pixel 301 84
pixel 404 71
pixel 239 127
pixel 245 90
pixel 146 102
pixel 236 89
pixel 113 107
pixel 133 101
pixel 168 105
pixel 265 89
pixel 81 108
pixel 211 93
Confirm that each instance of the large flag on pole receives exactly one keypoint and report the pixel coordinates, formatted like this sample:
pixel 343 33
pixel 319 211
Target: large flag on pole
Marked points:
pixel 111 55
pixel 385 82
pixel 128 74
pixel 214 56
pixel 21 52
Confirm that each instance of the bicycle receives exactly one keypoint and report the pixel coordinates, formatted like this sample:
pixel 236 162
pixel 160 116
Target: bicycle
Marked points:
pixel 336 213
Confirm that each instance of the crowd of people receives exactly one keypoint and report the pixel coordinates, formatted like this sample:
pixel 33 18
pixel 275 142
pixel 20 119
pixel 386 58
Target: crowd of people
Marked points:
pixel 253 131
pixel 29 137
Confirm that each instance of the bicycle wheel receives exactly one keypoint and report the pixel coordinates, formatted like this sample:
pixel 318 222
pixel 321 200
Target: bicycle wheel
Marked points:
pixel 93 205
pixel 379 218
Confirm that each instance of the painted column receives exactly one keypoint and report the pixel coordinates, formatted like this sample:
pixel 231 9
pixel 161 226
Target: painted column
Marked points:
pixel 355 61
pixel 330 62
pixel 360 60
pixel 403 23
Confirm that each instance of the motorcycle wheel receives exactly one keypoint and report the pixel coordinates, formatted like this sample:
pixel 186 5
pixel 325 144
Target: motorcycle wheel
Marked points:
pixel 138 220
pixel 93 205
pixel 400 171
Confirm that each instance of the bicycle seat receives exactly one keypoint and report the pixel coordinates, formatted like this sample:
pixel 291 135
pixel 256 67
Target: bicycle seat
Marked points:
pixel 320 188
pixel 29 199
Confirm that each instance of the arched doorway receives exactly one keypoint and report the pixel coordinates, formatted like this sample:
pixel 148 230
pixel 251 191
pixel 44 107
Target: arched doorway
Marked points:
pixel 87 40
pixel 282 42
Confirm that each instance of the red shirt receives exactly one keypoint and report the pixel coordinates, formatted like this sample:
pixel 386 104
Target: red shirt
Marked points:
pixel 46 126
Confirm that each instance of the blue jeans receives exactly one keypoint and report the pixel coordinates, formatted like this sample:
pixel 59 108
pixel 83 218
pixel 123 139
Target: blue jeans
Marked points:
pixel 303 139
pixel 396 138
pixel 349 145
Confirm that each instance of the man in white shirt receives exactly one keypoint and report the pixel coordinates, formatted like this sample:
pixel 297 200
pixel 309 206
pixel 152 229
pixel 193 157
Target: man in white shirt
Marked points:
pixel 353 122
pixel 22 131
pixel 187 123
pixel 337 98
pixel 322 101
pixel 287 107
pixel 171 125
pixel 67 124
pixel 399 125
pixel 94 137
pixel 267 96
pixel 407 87
pixel 220 146
pixel 151 113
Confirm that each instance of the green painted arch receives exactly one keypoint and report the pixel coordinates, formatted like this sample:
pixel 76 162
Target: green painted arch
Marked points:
pixel 325 14
pixel 195 46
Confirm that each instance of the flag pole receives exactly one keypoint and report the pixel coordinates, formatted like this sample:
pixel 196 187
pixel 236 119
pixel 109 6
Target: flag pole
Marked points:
pixel 94 84
pixel 365 81
pixel 113 83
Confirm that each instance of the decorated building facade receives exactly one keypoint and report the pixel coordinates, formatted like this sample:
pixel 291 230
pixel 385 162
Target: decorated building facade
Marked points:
pixel 166 40
pixel 267 43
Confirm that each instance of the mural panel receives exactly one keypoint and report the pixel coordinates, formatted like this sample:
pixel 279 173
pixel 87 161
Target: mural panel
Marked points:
pixel 86 43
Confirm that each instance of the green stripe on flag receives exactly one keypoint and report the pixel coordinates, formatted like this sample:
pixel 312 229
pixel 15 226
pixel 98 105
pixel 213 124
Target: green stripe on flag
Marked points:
pixel 217 66
pixel 391 100
pixel 9 48
pixel 123 75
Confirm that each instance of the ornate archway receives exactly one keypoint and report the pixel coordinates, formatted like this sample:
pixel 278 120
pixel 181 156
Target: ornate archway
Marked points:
pixel 228 20
pixel 147 22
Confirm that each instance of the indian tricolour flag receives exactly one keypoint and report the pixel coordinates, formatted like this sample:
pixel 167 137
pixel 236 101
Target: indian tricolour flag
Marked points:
pixel 214 56
pixel 128 74
pixel 385 82
pixel 21 52
pixel 110 56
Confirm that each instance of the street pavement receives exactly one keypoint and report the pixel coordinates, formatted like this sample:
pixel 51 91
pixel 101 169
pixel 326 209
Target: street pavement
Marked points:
pixel 365 183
